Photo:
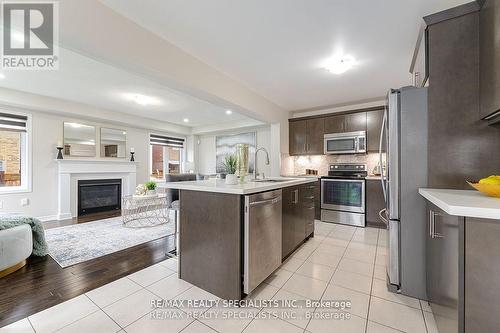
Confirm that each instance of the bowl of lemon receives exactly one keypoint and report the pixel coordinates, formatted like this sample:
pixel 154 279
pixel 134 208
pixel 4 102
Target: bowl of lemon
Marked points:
pixel 489 186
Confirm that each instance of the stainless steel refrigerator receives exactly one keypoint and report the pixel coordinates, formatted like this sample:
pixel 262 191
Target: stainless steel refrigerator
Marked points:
pixel 404 141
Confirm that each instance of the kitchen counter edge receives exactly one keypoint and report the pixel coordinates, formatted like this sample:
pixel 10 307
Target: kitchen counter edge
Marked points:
pixel 466 203
pixel 219 186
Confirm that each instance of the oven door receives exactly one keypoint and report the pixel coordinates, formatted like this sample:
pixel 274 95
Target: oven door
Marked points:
pixel 343 194
pixel 341 145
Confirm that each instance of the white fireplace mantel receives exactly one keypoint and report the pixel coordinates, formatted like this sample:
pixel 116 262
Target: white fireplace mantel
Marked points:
pixel 72 170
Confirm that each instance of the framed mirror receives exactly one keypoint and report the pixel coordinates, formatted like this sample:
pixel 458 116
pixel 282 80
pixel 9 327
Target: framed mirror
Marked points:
pixel 113 143
pixel 79 140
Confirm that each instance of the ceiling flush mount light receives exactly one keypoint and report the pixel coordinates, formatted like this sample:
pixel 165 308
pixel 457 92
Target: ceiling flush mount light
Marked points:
pixel 229 112
pixel 185 120
pixel 143 99
pixel 339 64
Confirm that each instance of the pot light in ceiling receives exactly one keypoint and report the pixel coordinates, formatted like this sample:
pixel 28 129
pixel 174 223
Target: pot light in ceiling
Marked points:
pixel 229 112
pixel 185 120
pixel 143 99
pixel 2 76
pixel 339 64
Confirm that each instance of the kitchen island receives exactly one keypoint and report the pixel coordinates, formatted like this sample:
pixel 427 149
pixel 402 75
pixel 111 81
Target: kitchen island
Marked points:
pixel 231 237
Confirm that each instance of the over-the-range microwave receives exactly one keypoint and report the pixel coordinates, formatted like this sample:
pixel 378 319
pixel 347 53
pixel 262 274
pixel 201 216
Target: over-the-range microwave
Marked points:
pixel 345 143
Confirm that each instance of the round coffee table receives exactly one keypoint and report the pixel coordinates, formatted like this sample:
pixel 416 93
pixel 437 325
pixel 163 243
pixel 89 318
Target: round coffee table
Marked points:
pixel 144 211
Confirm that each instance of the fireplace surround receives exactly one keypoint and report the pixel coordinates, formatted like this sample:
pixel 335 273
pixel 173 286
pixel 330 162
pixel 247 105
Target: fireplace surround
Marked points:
pixel 70 171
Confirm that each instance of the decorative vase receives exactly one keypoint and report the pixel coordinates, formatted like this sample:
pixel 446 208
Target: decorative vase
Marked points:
pixel 151 192
pixel 231 179
pixel 242 156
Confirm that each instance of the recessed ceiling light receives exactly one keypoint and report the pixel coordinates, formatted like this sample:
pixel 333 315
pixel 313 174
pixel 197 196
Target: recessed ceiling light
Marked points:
pixel 143 99
pixel 186 120
pixel 2 76
pixel 229 112
pixel 339 64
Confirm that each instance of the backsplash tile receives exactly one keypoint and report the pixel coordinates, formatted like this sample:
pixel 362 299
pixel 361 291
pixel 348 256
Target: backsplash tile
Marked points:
pixel 299 164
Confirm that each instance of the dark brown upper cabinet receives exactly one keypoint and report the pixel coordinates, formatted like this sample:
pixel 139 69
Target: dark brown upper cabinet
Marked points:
pixel 373 126
pixel 355 122
pixel 335 124
pixel 315 131
pixel 489 25
pixel 306 136
pixel 297 133
pixel 351 122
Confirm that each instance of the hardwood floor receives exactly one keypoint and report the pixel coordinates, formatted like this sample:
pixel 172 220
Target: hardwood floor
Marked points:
pixel 81 219
pixel 42 283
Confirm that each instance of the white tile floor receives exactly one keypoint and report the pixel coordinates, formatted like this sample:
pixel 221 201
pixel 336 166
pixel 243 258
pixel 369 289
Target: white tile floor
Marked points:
pixel 339 263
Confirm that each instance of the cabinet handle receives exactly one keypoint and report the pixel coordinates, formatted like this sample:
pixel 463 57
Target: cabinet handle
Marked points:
pixel 311 197
pixel 295 196
pixel 432 225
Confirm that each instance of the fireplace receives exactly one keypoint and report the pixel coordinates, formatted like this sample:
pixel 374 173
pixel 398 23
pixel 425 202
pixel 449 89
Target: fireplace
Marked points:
pixel 99 195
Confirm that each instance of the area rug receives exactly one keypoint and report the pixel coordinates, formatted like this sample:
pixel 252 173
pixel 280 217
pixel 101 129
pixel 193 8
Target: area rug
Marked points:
pixel 77 243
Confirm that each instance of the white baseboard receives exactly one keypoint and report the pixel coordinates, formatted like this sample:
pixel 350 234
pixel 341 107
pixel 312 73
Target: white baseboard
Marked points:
pixel 47 218
pixel 57 217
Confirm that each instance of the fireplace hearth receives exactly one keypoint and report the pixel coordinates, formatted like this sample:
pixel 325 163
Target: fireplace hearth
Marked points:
pixel 99 195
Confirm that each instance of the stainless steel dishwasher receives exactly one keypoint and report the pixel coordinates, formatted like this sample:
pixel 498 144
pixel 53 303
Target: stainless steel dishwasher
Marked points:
pixel 262 237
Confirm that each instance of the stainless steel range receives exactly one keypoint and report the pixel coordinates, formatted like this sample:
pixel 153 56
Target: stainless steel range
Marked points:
pixel 343 194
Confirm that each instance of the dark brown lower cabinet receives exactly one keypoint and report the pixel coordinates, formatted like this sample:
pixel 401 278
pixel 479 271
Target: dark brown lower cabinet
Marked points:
pixel 482 275
pixel 445 269
pixel 374 203
pixel 298 216
pixel 463 266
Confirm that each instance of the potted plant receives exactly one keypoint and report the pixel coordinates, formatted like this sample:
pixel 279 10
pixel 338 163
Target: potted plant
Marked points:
pixel 231 165
pixel 151 187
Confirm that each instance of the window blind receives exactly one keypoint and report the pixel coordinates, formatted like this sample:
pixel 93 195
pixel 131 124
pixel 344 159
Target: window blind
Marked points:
pixel 13 122
pixel 166 141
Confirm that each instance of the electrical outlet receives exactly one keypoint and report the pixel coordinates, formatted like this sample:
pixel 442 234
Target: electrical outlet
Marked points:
pixel 25 202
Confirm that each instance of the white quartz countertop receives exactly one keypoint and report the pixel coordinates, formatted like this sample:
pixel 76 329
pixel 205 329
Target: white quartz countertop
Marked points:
pixel 466 203
pixel 373 177
pixel 249 187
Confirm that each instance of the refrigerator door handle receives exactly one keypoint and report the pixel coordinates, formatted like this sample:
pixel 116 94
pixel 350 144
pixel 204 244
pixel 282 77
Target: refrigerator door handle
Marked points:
pixel 381 215
pixel 382 130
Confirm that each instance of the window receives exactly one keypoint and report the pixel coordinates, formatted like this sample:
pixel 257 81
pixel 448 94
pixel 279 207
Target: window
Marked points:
pixel 165 155
pixel 14 153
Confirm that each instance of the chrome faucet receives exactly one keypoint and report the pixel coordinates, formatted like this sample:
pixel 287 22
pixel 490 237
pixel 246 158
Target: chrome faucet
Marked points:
pixel 255 161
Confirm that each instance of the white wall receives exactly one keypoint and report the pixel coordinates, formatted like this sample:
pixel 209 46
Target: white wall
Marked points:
pixel 206 162
pixel 47 129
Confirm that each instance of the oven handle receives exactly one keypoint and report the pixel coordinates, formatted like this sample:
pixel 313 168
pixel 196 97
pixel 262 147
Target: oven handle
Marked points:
pixel 343 180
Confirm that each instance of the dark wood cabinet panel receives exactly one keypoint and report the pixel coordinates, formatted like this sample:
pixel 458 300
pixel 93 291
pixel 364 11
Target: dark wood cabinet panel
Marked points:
pixel 335 124
pixel 308 203
pixel 306 136
pixel 298 216
pixel 489 32
pixel 210 248
pixel 445 257
pixel 297 137
pixel 460 146
pixel 288 225
pixel 315 131
pixel 374 203
pixel 373 127
pixel 355 122
pixel 482 269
